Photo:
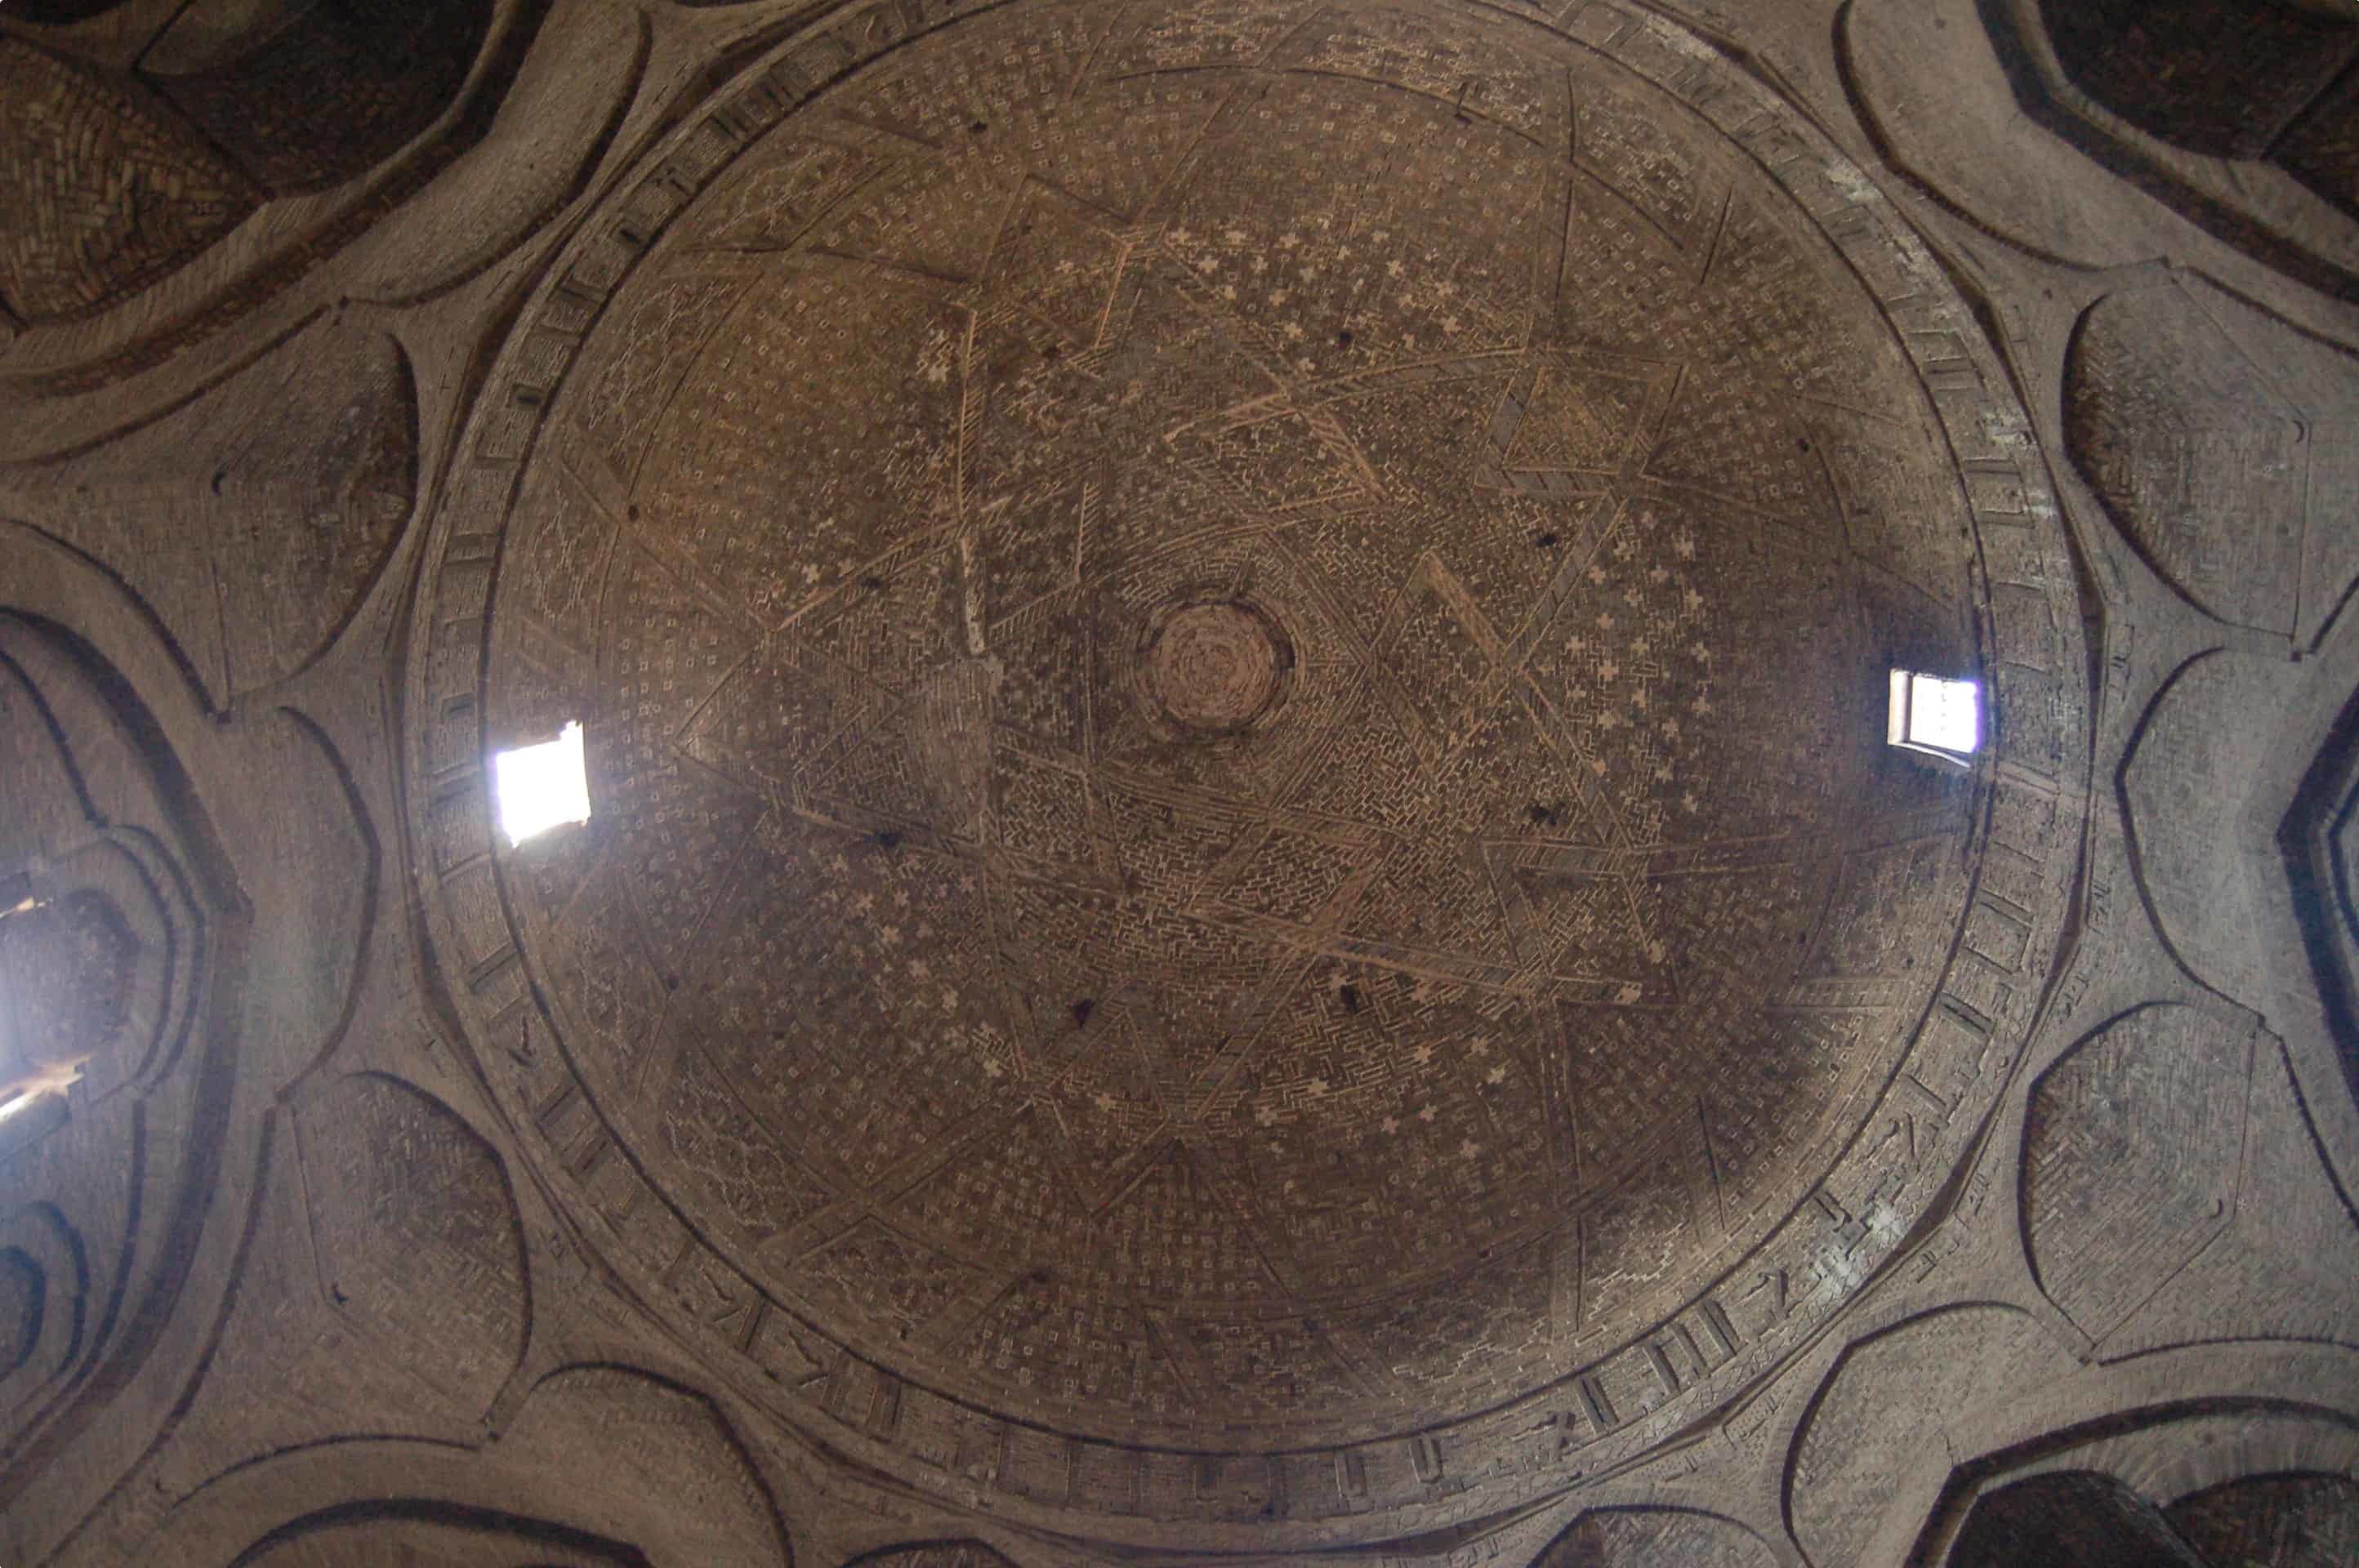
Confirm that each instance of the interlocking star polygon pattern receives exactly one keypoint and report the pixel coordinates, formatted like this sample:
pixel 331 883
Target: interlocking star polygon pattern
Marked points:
pixel 1114 1029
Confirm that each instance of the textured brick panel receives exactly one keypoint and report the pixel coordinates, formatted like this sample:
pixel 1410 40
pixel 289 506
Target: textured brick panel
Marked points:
pixel 419 1242
pixel 2220 439
pixel 104 190
pixel 2131 1155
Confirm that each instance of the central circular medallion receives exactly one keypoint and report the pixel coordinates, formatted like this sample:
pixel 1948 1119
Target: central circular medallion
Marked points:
pixel 1213 667
pixel 1235 715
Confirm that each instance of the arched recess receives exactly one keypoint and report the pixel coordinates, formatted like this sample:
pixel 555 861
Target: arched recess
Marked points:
pixel 2209 429
pixel 2069 1519
pixel 23 1292
pixel 2239 117
pixel 131 146
pixel 45 1288
pixel 117 780
pixel 316 92
pixel 2139 1427
pixel 283 491
pixel 120 971
pixel 2089 1511
pixel 2226 81
pixel 1886 1401
pixel 2289 1520
pixel 2320 842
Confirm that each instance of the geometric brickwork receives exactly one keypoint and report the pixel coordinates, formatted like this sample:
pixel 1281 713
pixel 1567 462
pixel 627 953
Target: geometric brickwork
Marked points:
pixel 1242 900
pixel 1251 765
pixel 1243 875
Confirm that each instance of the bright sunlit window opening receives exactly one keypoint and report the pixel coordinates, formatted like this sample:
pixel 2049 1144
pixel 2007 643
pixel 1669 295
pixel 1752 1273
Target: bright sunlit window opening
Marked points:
pixel 541 787
pixel 1932 713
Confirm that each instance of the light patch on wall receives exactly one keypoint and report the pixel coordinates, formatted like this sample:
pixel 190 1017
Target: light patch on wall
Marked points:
pixel 1936 714
pixel 11 1107
pixel 541 787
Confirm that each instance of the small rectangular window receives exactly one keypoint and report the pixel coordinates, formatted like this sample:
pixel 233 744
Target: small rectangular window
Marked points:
pixel 541 787
pixel 1936 714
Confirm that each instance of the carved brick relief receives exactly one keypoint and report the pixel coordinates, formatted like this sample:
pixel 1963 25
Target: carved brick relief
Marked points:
pixel 1221 743
pixel 1244 896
